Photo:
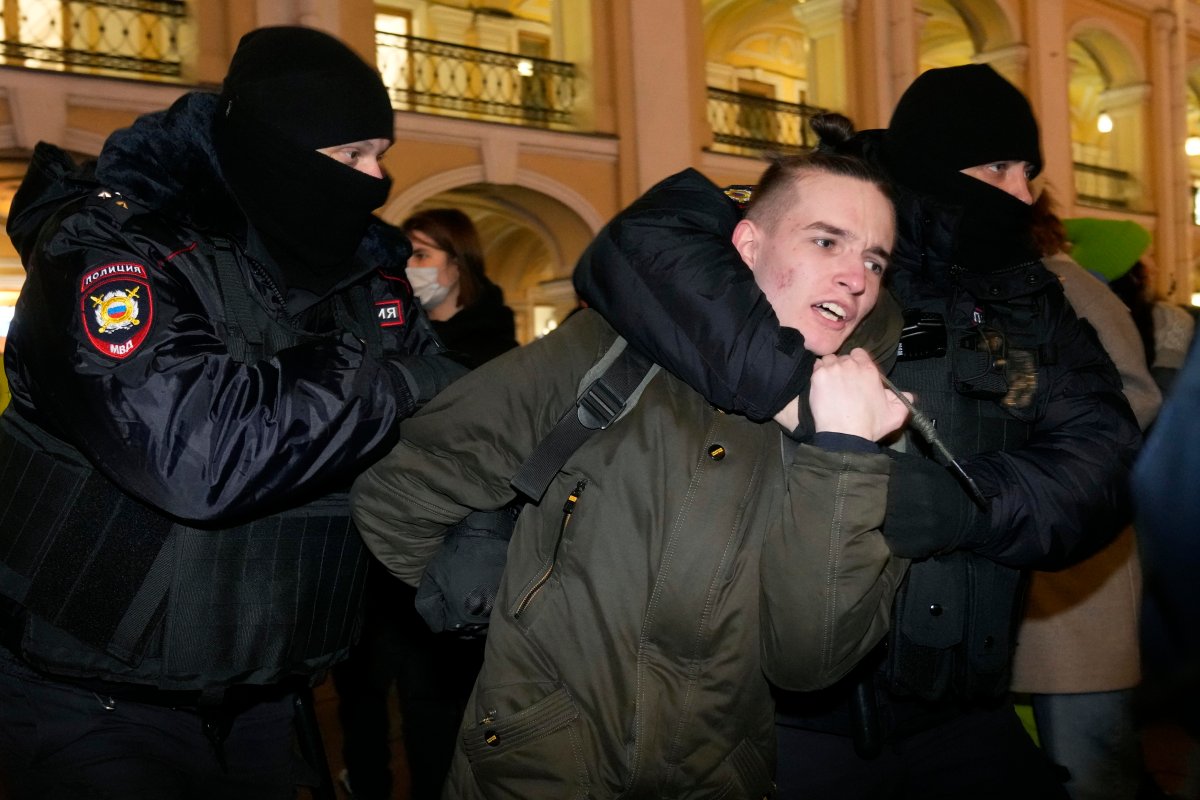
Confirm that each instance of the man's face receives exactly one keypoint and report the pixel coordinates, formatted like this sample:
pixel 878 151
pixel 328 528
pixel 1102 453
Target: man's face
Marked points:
pixel 1008 176
pixel 821 263
pixel 363 156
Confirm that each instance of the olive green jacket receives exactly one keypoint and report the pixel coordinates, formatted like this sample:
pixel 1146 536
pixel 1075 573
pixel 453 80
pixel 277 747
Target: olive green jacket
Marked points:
pixel 637 626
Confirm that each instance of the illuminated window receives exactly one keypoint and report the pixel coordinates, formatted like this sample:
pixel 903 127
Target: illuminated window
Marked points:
pixel 391 53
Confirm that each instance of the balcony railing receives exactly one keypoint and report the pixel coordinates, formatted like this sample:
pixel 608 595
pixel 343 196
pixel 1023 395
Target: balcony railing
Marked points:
pixel 442 78
pixel 124 36
pixel 1103 187
pixel 746 122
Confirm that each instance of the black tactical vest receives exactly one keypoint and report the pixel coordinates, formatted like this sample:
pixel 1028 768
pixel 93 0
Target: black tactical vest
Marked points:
pixel 100 586
pixel 955 616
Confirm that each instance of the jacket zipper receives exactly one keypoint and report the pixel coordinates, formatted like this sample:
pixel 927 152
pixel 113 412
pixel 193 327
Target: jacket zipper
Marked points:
pixel 256 267
pixel 568 510
pixel 263 275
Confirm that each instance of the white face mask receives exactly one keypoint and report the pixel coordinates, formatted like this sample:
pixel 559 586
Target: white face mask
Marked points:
pixel 425 286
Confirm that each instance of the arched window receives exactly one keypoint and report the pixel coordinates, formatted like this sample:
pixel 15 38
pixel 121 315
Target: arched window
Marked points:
pixel 1107 105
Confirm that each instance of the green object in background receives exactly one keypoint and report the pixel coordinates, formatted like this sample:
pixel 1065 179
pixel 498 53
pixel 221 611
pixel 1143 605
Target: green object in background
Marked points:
pixel 1025 713
pixel 1106 247
pixel 3 390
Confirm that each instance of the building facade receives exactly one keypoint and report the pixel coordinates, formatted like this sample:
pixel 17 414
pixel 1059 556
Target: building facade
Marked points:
pixel 542 118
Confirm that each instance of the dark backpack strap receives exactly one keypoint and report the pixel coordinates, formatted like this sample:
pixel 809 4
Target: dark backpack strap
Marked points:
pixel 600 404
pixel 355 313
pixel 245 340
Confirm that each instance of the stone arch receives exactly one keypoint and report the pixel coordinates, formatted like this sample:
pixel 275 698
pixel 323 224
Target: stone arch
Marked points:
pixel 956 32
pixel 405 202
pixel 1192 112
pixel 1118 57
pixel 1192 106
pixel 1107 78
pixel 533 232
pixel 762 42
pixel 992 26
pixel 945 38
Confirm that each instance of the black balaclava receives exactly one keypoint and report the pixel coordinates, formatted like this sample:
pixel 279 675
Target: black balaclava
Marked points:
pixel 959 117
pixel 289 91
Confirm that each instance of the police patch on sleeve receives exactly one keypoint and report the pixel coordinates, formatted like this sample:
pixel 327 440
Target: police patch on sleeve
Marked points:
pixel 116 307
pixel 390 313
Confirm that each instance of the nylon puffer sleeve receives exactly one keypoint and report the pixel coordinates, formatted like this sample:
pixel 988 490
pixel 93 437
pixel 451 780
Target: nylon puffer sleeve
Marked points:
pixel 1069 483
pixel 117 353
pixel 828 577
pixel 666 276
pixel 1065 493
pixel 460 452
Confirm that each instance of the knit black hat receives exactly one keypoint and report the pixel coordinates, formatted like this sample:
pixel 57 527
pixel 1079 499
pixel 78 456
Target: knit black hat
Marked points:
pixel 308 86
pixel 289 92
pixel 958 117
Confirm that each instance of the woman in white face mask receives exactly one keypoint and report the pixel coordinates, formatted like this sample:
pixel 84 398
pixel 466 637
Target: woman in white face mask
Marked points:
pixel 434 276
pixel 446 271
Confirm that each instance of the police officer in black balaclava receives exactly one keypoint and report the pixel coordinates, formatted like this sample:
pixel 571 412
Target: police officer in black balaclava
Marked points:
pixel 1022 393
pixel 956 135
pixel 1010 381
pixel 214 338
pixel 293 98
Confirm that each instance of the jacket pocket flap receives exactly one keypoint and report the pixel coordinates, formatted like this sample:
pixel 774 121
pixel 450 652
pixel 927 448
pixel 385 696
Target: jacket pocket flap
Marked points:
pixel 932 604
pixel 552 712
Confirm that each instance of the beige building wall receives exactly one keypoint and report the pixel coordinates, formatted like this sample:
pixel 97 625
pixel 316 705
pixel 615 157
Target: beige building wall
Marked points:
pixel 643 69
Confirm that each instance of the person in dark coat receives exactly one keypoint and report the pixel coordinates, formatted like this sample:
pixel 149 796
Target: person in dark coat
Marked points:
pixel 214 337
pixel 1016 386
pixel 447 273
pixel 1168 525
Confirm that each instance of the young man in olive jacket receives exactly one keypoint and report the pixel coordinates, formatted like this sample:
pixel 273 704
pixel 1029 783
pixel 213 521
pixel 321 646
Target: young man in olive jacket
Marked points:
pixel 1019 388
pixel 682 553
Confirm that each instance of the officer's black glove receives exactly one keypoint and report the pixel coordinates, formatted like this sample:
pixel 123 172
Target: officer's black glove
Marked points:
pixel 425 376
pixel 459 586
pixel 928 510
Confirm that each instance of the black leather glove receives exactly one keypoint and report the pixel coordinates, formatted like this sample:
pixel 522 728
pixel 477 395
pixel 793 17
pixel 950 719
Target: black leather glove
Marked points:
pixel 425 376
pixel 459 586
pixel 928 510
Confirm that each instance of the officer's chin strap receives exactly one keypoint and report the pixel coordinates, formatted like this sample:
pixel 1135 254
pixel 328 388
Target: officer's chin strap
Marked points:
pixel 928 430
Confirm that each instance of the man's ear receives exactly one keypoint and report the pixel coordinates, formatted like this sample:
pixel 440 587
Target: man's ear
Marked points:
pixel 746 241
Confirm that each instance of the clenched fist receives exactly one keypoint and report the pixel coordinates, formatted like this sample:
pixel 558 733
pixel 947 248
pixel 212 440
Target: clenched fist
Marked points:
pixel 847 395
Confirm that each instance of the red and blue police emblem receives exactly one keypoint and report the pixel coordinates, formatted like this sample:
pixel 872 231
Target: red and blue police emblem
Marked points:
pixel 116 307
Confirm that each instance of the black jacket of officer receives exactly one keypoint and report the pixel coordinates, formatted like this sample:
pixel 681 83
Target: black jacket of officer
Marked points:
pixel 213 339
pixel 1018 387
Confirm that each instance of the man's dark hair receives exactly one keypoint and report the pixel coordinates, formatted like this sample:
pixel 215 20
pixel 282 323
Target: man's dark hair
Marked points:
pixel 452 231
pixel 834 155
